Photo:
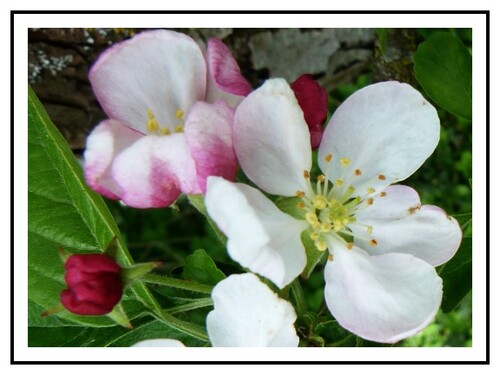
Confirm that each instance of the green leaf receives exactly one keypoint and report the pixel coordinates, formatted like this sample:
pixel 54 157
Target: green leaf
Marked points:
pixel 79 336
pixel 201 268
pixel 63 211
pixel 457 273
pixel 443 67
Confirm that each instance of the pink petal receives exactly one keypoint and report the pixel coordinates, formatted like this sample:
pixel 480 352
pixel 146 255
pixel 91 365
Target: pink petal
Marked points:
pixel 383 298
pixel 224 75
pixel 158 70
pixel 154 171
pixel 209 135
pixel 105 142
pixel 313 101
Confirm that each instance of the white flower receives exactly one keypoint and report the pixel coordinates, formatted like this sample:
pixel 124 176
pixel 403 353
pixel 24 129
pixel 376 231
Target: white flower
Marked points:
pixel 383 244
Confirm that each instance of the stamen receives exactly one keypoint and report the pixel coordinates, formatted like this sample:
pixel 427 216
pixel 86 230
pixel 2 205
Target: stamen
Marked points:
pixel 314 236
pixel 328 158
pixel 381 177
pixel 373 242
pixel 330 257
pixel 301 205
pixel 321 245
pixel 319 202
pixel 306 175
pixel 345 162
pixel 369 201
pixel 370 190
pixel 349 245
pixel 152 124
pixel 300 194
pixel 320 178
pixel 369 229
pixel 383 194
pixel 165 131
pixel 179 129
pixel 357 172
pixel 312 218
pixel 179 113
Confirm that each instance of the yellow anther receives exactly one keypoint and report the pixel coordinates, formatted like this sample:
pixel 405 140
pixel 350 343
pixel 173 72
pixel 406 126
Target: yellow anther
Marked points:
pixel 373 242
pixel 320 178
pixel 165 131
pixel 357 172
pixel 339 182
pixel 312 218
pixel 328 158
pixel 369 201
pixel 179 113
pixel 314 236
pixel 369 229
pixel 300 194
pixel 383 194
pixel 306 175
pixel 301 205
pixel 325 227
pixel 370 190
pixel 319 202
pixel 152 124
pixel 330 257
pixel 349 245
pixel 381 177
pixel 179 129
pixel 337 225
pixel 321 245
pixel 345 162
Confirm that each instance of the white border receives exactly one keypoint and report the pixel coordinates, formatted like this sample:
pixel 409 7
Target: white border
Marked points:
pixel 24 353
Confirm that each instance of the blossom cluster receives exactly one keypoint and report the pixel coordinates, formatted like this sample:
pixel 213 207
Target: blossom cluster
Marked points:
pixel 183 121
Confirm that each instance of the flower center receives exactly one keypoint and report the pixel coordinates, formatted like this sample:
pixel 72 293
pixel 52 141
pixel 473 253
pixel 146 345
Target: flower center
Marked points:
pixel 154 127
pixel 330 208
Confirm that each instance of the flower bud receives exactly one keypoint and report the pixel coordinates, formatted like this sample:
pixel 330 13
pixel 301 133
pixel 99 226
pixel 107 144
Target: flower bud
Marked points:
pixel 94 284
pixel 313 101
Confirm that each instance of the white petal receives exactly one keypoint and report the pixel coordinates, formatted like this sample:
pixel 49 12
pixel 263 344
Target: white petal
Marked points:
pixel 248 314
pixel 260 236
pixel 159 343
pixel 272 139
pixel 387 129
pixel 160 70
pixel 383 298
pixel 400 224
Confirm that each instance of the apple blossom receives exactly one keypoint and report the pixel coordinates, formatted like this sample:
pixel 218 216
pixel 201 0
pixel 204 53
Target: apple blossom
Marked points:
pixel 383 244
pixel 170 124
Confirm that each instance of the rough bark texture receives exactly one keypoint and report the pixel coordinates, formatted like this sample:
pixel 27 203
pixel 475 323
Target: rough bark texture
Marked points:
pixel 59 60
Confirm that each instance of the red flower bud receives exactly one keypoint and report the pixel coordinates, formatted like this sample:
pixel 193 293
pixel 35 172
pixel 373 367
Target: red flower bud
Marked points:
pixel 94 284
pixel 313 100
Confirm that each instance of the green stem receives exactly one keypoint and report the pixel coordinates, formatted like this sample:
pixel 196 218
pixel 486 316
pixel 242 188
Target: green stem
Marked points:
pixel 186 327
pixel 299 298
pixel 202 302
pixel 176 283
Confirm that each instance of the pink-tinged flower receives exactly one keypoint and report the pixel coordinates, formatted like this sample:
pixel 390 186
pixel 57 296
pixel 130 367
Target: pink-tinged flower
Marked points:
pixel 94 284
pixel 383 243
pixel 313 100
pixel 170 124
